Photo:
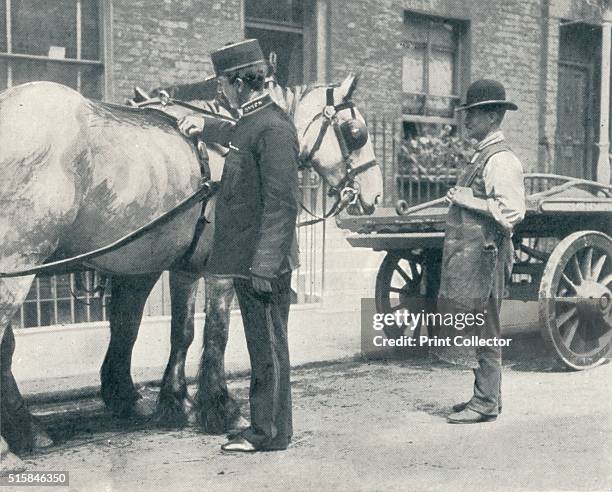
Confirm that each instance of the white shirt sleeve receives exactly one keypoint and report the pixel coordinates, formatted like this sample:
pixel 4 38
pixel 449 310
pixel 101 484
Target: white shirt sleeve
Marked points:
pixel 504 184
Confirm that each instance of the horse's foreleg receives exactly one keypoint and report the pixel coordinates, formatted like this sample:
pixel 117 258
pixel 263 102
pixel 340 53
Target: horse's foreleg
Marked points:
pixel 174 405
pixel 218 411
pixel 128 297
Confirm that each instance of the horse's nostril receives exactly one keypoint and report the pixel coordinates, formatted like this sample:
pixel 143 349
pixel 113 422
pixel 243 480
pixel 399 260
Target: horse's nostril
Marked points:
pixel 377 200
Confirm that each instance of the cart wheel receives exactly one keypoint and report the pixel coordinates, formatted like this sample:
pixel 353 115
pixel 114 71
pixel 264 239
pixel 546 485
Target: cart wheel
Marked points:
pixel 397 287
pixel 576 300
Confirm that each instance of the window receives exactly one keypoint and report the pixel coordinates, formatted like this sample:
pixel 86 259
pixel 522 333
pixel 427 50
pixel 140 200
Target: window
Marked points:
pixel 287 28
pixel 57 41
pixel 431 68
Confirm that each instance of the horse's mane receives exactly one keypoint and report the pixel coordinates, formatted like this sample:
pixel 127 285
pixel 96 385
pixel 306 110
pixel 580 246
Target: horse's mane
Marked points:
pixel 292 96
pixel 132 115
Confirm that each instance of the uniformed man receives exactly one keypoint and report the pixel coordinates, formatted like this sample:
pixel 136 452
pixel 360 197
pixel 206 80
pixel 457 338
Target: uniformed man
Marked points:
pixel 487 203
pixel 255 237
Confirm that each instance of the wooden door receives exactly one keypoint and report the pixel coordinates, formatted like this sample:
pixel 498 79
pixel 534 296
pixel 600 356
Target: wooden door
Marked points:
pixel 574 137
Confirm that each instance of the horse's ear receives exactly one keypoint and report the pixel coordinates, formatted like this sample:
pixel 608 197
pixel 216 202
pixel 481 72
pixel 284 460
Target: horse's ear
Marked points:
pixel 272 64
pixel 348 86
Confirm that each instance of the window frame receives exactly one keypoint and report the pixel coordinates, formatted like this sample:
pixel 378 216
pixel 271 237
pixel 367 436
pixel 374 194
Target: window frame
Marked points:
pixel 460 67
pixel 103 8
pixel 308 30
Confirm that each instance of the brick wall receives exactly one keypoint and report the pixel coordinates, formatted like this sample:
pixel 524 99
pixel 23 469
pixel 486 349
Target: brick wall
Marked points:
pixel 161 42
pixel 514 41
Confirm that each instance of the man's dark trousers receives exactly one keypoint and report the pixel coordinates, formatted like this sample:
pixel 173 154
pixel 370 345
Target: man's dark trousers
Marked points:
pixel 265 318
pixel 487 398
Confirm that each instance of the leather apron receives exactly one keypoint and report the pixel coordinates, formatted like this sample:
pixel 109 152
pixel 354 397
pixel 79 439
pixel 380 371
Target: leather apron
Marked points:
pixel 474 247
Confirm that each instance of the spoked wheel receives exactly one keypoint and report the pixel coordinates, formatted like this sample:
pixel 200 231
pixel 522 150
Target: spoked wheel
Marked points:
pixel 398 287
pixel 576 299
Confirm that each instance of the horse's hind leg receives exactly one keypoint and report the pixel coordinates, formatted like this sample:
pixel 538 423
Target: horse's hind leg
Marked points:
pixel 14 415
pixel 174 406
pixel 218 411
pixel 128 297
pixel 13 411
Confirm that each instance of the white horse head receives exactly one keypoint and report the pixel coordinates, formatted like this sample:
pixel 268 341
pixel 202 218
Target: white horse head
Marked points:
pixel 309 115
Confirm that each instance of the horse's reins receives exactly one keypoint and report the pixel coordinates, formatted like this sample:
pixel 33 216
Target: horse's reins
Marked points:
pixel 344 191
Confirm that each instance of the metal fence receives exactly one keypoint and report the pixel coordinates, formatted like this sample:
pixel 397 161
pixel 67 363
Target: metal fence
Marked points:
pixel 57 299
pixel 410 181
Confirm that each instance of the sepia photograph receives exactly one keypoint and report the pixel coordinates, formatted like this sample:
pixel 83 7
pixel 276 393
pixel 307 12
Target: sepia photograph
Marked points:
pixel 294 245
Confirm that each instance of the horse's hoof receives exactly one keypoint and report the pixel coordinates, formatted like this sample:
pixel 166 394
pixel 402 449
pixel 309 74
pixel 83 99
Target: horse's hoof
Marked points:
pixel 11 463
pixel 138 409
pixel 143 408
pixel 40 438
pixel 173 412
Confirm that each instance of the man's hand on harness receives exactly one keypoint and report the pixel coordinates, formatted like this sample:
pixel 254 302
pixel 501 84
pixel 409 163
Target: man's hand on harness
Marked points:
pixel 192 124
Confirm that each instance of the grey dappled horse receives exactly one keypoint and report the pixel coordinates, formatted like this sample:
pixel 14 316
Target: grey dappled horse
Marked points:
pixel 78 175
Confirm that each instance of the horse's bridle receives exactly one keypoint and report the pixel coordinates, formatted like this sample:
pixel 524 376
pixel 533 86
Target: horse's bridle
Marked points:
pixel 345 191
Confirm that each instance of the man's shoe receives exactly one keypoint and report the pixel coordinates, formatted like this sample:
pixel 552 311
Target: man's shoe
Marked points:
pixel 238 445
pixel 460 407
pixel 468 416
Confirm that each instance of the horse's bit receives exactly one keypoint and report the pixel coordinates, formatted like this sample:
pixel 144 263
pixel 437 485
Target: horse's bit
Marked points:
pixel 351 136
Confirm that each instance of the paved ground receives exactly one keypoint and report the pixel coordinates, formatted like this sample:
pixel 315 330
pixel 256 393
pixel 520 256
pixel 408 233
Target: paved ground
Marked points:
pixel 361 425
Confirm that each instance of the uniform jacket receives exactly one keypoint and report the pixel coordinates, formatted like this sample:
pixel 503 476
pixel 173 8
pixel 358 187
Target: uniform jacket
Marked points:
pixel 257 206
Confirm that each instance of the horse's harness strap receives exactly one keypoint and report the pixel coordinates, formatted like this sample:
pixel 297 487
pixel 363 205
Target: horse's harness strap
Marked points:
pixel 204 193
pixel 165 99
pixel 335 209
pixel 354 171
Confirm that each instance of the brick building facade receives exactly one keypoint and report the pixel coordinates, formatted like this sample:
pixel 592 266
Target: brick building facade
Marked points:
pixel 527 44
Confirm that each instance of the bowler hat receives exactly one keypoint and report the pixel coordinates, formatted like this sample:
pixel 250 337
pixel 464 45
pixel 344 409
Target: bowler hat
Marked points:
pixel 486 92
pixel 236 56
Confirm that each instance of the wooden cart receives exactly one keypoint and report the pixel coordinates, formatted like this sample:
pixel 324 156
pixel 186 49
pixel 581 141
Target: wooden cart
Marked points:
pixel 563 259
